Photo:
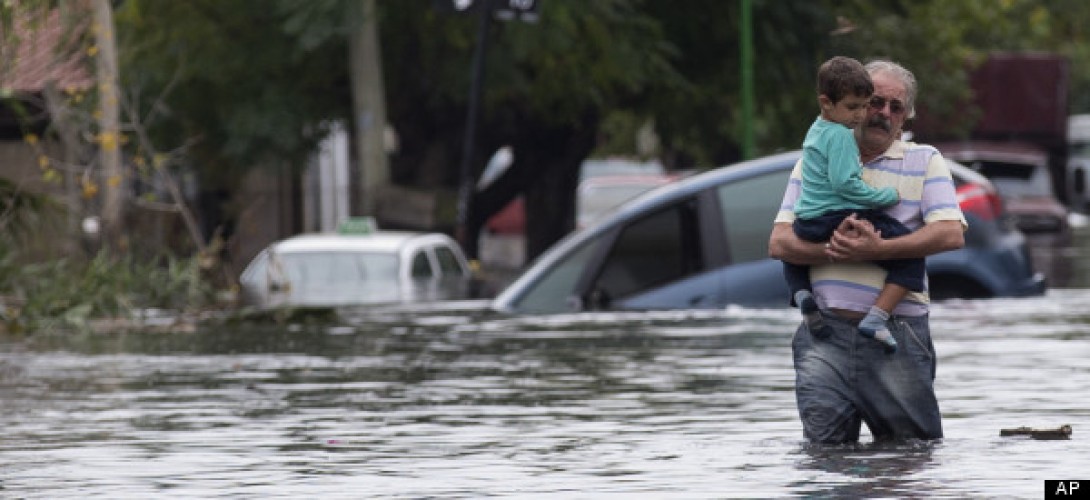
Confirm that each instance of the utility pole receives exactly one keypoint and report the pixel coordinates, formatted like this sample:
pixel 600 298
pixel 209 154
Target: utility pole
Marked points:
pixel 506 10
pixel 109 137
pixel 368 104
pixel 465 176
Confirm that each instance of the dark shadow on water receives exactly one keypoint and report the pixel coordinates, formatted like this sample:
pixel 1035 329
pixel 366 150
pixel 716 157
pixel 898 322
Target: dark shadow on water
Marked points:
pixel 866 470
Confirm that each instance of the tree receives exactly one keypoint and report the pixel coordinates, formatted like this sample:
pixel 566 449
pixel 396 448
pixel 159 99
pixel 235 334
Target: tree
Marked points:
pixel 258 80
pixel 252 85
pixel 109 117
pixel 547 86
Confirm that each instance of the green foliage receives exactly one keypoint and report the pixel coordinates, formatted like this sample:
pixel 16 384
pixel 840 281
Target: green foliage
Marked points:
pixel 259 79
pixel 581 55
pixel 65 294
pixel 250 79
pixel 577 56
pixel 21 213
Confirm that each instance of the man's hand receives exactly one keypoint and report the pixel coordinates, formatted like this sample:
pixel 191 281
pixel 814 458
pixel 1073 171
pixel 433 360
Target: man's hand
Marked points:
pixel 857 241
pixel 854 240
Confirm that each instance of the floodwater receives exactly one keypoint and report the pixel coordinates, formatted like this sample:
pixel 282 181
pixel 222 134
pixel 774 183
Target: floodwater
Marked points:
pixel 451 402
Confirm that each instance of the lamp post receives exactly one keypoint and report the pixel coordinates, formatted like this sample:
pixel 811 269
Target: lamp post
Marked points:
pixel 523 10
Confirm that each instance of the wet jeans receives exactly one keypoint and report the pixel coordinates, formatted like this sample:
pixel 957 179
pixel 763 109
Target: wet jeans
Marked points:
pixel 847 379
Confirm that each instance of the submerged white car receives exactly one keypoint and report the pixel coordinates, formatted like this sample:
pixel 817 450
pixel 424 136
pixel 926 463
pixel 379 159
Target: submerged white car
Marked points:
pixel 335 270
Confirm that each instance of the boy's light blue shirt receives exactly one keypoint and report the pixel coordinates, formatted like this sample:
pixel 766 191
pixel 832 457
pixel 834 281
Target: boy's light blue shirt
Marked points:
pixel 831 170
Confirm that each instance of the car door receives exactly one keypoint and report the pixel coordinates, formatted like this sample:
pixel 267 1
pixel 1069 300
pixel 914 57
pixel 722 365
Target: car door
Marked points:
pixel 747 208
pixel 453 276
pixel 655 261
pixel 423 275
pixel 705 251
pixel 732 225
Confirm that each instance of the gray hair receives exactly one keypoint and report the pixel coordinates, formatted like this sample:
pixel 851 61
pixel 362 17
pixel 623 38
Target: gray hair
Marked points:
pixel 899 72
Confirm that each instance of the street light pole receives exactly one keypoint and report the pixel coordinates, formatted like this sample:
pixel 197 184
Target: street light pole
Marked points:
pixel 465 187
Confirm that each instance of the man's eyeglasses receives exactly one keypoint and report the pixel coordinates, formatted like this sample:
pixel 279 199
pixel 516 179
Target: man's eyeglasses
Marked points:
pixel 895 107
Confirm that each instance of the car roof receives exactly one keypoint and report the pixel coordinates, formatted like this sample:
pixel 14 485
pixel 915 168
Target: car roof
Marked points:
pixel 685 186
pixel 1008 152
pixel 379 241
pixel 679 189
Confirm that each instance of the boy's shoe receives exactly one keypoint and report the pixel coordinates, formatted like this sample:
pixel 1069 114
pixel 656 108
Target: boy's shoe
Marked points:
pixel 874 326
pixel 882 335
pixel 814 322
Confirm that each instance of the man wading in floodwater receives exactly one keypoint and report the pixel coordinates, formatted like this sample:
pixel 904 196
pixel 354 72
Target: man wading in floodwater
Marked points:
pixel 846 379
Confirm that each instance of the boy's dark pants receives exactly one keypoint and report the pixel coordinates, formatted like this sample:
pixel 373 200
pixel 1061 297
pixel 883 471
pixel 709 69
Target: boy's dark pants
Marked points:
pixel 908 273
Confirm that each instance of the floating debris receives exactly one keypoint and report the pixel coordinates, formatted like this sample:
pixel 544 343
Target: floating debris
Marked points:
pixel 1061 432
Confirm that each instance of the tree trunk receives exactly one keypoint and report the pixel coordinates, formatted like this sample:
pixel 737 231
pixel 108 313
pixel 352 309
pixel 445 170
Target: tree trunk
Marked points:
pixel 368 105
pixel 546 171
pixel 109 138
pixel 550 202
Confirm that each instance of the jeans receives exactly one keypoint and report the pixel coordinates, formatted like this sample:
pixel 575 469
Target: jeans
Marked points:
pixel 846 379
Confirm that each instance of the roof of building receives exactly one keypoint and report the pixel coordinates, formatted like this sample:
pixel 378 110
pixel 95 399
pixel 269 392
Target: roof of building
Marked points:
pixel 44 52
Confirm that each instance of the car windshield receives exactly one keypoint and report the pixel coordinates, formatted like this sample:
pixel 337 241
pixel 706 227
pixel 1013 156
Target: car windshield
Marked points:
pixel 1016 180
pixel 334 269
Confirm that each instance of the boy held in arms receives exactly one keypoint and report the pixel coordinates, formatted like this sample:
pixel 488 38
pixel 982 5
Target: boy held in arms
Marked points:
pixel 833 188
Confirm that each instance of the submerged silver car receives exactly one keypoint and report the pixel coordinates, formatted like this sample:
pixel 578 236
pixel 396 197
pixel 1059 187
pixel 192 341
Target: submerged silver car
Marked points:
pixel 702 242
pixel 332 270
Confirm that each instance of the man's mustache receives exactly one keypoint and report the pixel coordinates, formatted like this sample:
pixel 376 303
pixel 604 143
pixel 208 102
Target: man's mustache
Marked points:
pixel 879 122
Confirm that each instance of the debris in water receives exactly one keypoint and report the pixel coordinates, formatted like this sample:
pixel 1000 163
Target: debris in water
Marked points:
pixel 1061 432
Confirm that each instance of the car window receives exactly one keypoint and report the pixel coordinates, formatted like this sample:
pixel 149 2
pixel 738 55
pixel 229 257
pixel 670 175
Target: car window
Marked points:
pixel 321 269
pixel 1014 180
pixel 421 266
pixel 448 262
pixel 256 271
pixel 553 291
pixel 662 247
pixel 749 206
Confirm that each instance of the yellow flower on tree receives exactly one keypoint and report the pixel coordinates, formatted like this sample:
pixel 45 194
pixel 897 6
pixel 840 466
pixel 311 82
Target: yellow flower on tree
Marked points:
pixel 90 189
pixel 31 139
pixel 114 181
pixel 108 141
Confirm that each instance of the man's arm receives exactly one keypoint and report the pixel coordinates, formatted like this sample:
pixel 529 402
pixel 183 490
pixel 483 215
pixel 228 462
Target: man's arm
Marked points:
pixel 785 245
pixel 868 245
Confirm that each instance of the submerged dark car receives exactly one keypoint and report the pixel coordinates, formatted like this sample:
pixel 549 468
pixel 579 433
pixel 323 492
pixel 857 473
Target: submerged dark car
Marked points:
pixel 702 242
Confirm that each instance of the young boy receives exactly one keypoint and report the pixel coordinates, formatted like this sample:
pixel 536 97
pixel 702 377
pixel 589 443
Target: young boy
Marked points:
pixel 833 188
